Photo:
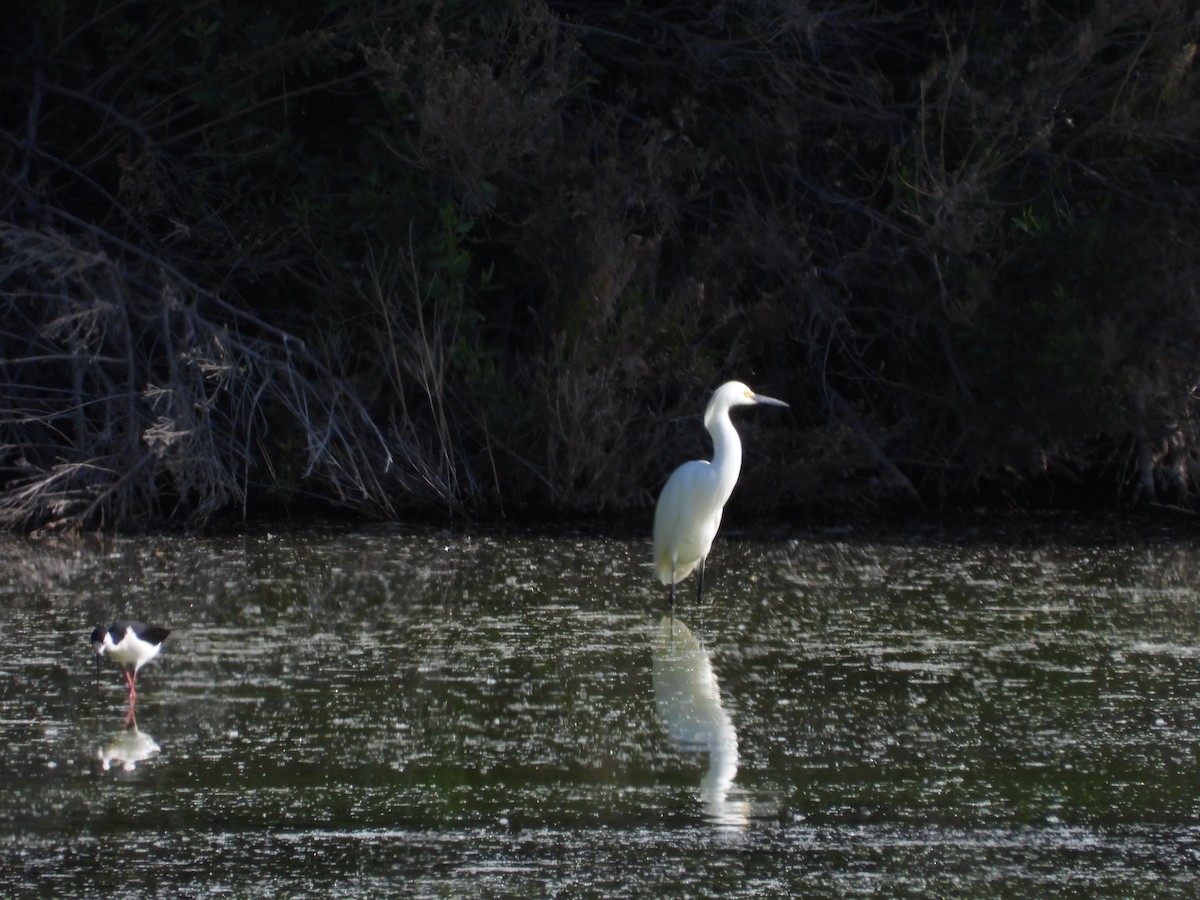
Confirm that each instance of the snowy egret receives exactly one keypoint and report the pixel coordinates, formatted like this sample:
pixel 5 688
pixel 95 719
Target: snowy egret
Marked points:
pixel 131 645
pixel 689 508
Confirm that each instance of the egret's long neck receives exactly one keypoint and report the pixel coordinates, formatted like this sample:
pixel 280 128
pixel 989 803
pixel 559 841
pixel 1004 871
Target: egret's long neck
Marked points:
pixel 727 451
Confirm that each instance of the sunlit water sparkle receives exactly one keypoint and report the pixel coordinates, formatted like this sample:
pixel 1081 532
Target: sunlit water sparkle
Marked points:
pixel 980 711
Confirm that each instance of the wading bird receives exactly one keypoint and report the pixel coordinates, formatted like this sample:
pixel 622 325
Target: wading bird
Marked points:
pixel 131 645
pixel 689 508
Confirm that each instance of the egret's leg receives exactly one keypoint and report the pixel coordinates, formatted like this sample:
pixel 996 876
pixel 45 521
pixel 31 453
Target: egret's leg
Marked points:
pixel 700 581
pixel 672 587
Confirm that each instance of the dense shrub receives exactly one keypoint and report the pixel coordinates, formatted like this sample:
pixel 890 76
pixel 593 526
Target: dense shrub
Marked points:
pixel 486 258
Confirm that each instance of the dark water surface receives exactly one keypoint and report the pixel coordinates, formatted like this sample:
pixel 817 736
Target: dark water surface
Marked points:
pixel 1007 712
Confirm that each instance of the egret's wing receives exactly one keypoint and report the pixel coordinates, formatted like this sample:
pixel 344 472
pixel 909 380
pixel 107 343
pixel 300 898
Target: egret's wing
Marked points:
pixel 682 520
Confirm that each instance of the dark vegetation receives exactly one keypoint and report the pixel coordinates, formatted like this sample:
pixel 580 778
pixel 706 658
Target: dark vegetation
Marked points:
pixel 490 258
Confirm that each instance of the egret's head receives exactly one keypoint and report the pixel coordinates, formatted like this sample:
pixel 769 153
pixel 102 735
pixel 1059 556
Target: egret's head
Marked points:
pixel 734 393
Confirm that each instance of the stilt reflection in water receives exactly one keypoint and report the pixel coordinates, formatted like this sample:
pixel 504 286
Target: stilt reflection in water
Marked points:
pixel 689 704
pixel 126 748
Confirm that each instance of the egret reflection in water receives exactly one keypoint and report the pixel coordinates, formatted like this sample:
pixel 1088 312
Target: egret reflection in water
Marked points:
pixel 126 748
pixel 689 704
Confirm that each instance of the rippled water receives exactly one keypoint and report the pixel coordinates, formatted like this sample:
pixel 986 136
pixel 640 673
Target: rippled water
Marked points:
pixel 998 712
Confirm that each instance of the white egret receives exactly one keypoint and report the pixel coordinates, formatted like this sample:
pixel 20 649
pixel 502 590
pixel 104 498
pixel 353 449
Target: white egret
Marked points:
pixel 689 508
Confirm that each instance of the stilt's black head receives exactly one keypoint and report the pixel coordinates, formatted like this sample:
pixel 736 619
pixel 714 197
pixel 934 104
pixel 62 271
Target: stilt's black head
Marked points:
pixel 98 646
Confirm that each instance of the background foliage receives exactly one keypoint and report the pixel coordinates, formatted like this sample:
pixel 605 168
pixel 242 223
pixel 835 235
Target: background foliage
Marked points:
pixel 491 258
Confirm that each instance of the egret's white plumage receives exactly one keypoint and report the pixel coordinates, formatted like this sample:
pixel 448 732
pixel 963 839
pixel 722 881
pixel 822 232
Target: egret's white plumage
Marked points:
pixel 689 508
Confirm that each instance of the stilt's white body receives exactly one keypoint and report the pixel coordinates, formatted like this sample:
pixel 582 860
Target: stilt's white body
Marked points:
pixel 130 650
pixel 689 508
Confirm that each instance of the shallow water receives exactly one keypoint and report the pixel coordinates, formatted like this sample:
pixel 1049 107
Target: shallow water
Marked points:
pixel 996 711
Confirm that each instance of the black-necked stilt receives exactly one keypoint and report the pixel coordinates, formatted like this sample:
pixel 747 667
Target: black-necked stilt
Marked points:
pixel 131 645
